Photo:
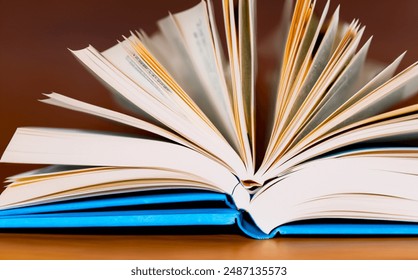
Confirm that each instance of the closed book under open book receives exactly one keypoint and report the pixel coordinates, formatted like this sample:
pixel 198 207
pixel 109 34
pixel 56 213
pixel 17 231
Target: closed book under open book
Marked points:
pixel 331 154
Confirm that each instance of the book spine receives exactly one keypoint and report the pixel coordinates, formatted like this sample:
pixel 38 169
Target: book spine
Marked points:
pixel 241 197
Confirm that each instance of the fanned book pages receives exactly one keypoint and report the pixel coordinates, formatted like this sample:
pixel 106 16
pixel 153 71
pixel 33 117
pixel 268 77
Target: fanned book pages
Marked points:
pixel 333 154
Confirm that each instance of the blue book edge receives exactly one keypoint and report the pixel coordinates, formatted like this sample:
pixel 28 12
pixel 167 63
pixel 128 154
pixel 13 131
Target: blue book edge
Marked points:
pixel 97 212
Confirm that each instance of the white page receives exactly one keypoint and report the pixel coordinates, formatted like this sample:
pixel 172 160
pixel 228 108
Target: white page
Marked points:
pixel 247 58
pixel 319 90
pixel 132 65
pixel 238 102
pixel 320 60
pixel 397 129
pixel 180 64
pixel 73 104
pixel 300 25
pixel 302 31
pixel 336 64
pixel 305 70
pixel 98 180
pixel 272 49
pixel 196 31
pixel 377 101
pixel 342 89
pixel 308 192
pixel 198 133
pixel 138 63
pixel 75 147
pixel 377 81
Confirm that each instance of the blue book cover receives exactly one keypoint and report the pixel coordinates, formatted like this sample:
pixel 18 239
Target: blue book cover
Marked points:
pixel 109 212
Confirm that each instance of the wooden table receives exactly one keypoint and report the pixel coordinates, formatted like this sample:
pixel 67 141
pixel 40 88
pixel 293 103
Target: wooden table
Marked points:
pixel 34 59
pixel 222 246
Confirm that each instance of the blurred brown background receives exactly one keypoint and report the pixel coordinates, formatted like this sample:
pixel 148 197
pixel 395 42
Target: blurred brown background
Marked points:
pixel 35 36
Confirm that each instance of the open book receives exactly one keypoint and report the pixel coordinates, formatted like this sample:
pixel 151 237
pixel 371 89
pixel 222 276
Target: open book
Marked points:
pixel 330 154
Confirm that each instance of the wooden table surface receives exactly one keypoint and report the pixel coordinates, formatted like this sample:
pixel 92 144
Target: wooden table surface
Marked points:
pixel 34 59
pixel 222 246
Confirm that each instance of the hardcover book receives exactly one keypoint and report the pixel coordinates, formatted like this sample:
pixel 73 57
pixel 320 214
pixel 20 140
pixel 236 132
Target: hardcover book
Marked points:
pixel 331 155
